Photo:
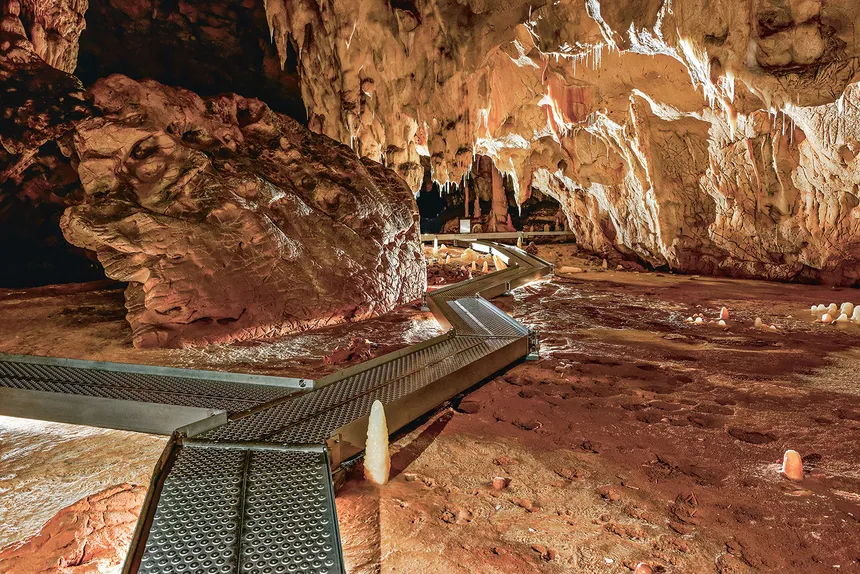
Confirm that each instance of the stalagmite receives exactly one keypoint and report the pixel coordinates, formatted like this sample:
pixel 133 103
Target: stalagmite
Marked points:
pixel 847 308
pixel 474 266
pixel 856 315
pixel 827 318
pixel 843 318
pixel 821 309
pixel 499 218
pixel 520 241
pixel 833 309
pixel 447 259
pixel 605 264
pixel 377 462
pixel 469 256
pixel 497 261
pixel 759 324
pixel 485 268
pixel 546 227
pixel 724 314
pixel 792 465
pixel 699 321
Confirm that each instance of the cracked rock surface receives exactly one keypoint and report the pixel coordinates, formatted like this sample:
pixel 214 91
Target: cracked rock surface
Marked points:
pixel 232 222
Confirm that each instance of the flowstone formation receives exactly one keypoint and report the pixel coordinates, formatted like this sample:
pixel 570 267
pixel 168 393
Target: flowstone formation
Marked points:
pixel 233 222
pixel 706 136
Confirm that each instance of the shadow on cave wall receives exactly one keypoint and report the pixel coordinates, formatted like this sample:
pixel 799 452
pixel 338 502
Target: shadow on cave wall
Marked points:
pixel 34 250
pixel 207 46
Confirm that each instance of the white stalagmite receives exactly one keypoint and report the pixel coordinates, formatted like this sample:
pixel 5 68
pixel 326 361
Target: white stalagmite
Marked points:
pixel 485 268
pixel 833 309
pixel 792 465
pixel 847 308
pixel 724 314
pixel 520 241
pixel 377 462
pixel 497 261
pixel 856 315
pixel 827 318
pixel 843 318
pixel 474 266
pixel 821 309
pixel 469 256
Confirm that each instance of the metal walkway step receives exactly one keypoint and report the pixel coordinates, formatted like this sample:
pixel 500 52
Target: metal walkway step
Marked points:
pixel 229 510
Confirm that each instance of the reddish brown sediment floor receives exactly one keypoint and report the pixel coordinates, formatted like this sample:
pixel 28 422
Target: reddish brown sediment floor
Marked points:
pixel 637 437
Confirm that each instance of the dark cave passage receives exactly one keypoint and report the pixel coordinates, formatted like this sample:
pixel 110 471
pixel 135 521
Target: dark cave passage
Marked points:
pixel 442 207
pixel 224 46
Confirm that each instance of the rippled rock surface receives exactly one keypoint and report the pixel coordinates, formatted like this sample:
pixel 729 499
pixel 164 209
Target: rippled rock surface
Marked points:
pixel 231 222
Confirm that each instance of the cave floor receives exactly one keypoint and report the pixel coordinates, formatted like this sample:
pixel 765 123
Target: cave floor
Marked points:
pixel 636 437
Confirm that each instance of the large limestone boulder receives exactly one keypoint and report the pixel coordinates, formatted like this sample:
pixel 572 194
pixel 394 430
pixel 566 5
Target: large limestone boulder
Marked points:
pixel 231 222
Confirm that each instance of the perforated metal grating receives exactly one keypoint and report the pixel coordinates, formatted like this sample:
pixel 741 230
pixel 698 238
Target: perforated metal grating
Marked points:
pixel 197 521
pixel 480 317
pixel 265 423
pixel 233 397
pixel 289 521
pixel 319 426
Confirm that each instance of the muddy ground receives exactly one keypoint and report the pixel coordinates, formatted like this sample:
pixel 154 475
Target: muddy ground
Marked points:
pixel 637 436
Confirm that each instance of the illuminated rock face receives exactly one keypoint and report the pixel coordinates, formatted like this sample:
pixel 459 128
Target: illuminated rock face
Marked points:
pixel 91 535
pixel 232 222
pixel 710 136
pixel 707 136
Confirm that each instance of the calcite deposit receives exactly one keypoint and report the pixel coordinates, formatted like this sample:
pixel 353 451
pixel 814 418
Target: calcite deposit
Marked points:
pixel 705 136
pixel 702 136
pixel 232 222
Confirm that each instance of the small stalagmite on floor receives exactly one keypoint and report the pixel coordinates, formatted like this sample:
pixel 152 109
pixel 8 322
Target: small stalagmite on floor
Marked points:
pixel 792 465
pixel 377 462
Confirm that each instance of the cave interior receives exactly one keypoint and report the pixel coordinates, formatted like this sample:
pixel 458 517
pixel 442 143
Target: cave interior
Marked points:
pixel 491 287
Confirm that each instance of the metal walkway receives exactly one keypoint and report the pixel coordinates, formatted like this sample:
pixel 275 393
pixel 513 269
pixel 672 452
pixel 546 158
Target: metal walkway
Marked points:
pixel 247 487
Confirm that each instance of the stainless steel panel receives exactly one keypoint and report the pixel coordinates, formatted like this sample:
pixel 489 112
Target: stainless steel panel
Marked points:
pixel 106 413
